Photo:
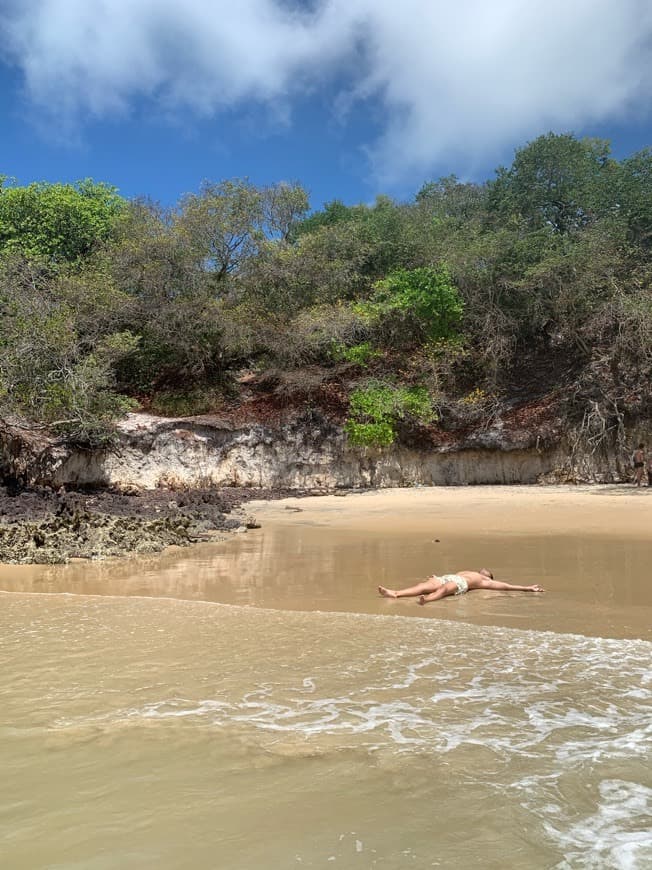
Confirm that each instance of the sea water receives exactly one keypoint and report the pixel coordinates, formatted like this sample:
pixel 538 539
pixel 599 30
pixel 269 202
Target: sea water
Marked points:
pixel 255 704
pixel 141 733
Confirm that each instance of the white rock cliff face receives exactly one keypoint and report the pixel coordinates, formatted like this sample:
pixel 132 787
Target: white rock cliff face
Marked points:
pixel 155 452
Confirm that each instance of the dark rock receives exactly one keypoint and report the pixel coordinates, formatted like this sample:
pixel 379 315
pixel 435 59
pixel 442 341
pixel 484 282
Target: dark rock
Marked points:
pixel 47 527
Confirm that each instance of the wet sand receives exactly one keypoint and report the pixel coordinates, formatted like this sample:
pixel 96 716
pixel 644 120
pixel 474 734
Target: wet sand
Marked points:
pixel 589 547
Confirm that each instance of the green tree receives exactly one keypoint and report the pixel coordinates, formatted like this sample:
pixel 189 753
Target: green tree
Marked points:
pixel 284 205
pixel 222 225
pixel 171 303
pixel 416 305
pixel 333 212
pixel 452 201
pixel 634 197
pixel 377 408
pixel 58 222
pixel 55 368
pixel 319 268
pixel 373 239
pixel 151 260
pixel 556 181
pixel 227 224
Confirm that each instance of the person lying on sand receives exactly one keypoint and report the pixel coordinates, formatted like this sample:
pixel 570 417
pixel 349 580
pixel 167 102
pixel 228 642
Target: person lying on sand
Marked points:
pixel 436 587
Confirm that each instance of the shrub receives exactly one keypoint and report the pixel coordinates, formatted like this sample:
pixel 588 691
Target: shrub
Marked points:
pixel 54 369
pixel 359 354
pixel 475 397
pixel 186 403
pixel 369 434
pixel 58 222
pixel 309 337
pixel 415 305
pixel 376 409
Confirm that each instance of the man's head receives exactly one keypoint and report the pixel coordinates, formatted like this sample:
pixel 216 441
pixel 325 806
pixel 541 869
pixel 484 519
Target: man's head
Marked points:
pixel 641 446
pixel 486 572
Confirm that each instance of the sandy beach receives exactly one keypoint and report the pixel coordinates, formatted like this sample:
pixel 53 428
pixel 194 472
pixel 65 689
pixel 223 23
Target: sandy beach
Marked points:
pixel 588 546
pixel 594 510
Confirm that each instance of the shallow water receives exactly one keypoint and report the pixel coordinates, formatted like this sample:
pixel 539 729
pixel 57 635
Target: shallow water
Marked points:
pixel 258 727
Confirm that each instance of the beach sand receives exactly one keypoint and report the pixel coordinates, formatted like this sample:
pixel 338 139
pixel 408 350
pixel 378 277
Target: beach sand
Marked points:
pixel 604 509
pixel 590 547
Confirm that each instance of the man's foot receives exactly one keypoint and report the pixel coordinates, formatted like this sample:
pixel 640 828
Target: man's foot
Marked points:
pixel 387 593
pixel 537 588
pixel 422 599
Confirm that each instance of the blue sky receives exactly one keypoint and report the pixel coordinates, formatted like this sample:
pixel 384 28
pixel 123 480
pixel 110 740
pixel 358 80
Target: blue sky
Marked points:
pixel 351 98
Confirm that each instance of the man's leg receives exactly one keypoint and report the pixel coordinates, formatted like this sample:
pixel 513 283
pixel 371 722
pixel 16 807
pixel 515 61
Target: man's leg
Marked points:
pixel 441 592
pixel 420 589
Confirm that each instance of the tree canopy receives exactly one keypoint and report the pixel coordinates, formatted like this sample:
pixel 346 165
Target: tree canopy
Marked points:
pixel 539 276
pixel 58 222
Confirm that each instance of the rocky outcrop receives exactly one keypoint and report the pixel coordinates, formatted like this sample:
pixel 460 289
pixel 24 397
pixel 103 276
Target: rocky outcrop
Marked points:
pixel 38 525
pixel 198 452
pixel 28 453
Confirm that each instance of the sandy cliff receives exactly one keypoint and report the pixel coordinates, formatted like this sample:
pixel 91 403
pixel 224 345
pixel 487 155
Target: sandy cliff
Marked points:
pixel 153 452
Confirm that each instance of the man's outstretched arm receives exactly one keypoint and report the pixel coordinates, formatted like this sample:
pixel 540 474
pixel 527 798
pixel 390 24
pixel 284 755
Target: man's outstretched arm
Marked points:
pixel 501 586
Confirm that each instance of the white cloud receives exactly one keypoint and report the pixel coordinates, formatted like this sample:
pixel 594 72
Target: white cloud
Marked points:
pixel 463 77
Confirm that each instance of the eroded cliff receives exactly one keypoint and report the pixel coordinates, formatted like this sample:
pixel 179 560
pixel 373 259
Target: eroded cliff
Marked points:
pixel 156 452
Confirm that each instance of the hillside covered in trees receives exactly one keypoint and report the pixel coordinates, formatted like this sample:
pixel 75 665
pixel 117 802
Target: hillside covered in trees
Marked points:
pixel 526 295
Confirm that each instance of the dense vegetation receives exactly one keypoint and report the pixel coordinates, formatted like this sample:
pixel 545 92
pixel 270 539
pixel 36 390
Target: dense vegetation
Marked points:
pixel 449 308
